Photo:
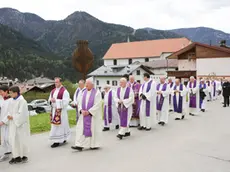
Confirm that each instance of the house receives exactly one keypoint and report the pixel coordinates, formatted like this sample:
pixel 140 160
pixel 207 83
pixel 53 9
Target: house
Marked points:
pixel 202 60
pixel 6 81
pixel 111 74
pixel 143 51
pixel 137 58
pixel 40 81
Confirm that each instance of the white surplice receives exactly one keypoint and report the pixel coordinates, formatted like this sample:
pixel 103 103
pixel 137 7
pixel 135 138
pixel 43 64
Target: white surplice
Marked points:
pixel 203 104
pixel 163 115
pixel 19 126
pixel 115 118
pixel 60 133
pixel 183 93
pixel 148 121
pixel 96 123
pixel 76 99
pixel 170 97
pixel 196 91
pixel 5 128
pixel 128 104
pixel 209 88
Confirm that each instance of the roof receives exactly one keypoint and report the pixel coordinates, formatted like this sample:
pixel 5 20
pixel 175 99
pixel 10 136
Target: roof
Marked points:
pixel 142 49
pixel 156 64
pixel 118 70
pixel 40 80
pixel 25 88
pixel 193 45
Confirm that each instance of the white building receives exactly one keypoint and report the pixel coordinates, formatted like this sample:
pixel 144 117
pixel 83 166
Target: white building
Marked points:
pixel 140 57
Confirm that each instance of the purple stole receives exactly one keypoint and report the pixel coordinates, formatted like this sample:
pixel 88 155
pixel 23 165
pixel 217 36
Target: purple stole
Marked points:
pixel 87 120
pixel 78 90
pixel 56 120
pixel 110 96
pixel 136 105
pixel 171 85
pixel 192 101
pixel 214 92
pixel 122 110
pixel 147 108
pixel 161 101
pixel 202 86
pixel 178 107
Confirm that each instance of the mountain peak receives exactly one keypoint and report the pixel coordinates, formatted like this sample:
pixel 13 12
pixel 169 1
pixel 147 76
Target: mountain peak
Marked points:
pixel 80 16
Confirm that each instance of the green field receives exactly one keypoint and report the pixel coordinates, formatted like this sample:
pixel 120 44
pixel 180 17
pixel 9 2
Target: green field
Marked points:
pixel 41 122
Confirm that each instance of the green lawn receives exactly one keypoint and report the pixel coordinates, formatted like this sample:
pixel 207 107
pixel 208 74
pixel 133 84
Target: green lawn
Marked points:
pixel 41 122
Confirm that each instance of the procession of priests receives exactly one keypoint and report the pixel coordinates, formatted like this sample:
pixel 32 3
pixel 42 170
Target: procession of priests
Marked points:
pixel 130 104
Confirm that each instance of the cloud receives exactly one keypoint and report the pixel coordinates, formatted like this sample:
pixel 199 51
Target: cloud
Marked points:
pixel 159 14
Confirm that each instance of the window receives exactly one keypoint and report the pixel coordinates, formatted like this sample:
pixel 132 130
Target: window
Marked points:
pixel 97 82
pixel 108 82
pixel 146 59
pixel 138 81
pixel 138 72
pixel 115 62
pixel 130 61
pixel 114 83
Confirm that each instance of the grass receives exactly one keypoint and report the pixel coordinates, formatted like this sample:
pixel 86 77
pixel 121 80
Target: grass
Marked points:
pixel 41 122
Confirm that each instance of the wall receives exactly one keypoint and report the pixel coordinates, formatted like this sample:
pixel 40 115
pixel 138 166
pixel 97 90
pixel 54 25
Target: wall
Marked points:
pixel 186 64
pixel 219 66
pixel 164 55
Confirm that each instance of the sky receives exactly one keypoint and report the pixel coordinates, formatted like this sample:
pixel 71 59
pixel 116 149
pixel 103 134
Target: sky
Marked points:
pixel 157 14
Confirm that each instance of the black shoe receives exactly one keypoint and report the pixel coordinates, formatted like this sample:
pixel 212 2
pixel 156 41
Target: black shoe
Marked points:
pixel 141 128
pixel 96 148
pixel 127 134
pixel 162 123
pixel 202 110
pixel 15 160
pixel 148 129
pixel 182 117
pixel 64 142
pixel 55 145
pixel 159 123
pixel 24 159
pixel 77 148
pixel 105 129
pixel 117 127
pixel 170 110
pixel 224 106
pixel 177 119
pixel 191 114
pixel 120 136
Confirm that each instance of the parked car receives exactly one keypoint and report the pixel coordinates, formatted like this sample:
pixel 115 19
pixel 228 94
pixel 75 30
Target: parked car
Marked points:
pixel 37 103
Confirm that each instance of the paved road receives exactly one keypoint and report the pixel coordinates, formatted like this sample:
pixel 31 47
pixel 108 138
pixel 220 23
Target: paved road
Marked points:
pixel 197 144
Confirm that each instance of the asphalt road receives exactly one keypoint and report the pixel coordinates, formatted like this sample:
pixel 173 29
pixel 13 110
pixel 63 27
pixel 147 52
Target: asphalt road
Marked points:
pixel 196 144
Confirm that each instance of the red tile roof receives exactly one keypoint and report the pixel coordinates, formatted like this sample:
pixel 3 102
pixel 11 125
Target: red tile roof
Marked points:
pixel 142 49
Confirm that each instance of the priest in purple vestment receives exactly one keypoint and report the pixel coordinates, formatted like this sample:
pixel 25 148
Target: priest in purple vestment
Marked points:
pixel 124 99
pixel 179 93
pixel 111 120
pixel 147 96
pixel 89 128
pixel 193 96
pixel 163 91
pixel 136 105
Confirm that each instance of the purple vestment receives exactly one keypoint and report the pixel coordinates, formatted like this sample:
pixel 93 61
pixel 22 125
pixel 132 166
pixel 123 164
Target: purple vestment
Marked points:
pixel 136 106
pixel 122 110
pixel 147 108
pixel 192 96
pixel 204 87
pixel 88 119
pixel 214 87
pixel 161 101
pixel 178 107
pixel 109 107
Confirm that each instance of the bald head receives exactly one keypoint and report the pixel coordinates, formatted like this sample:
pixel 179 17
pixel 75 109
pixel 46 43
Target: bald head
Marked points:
pixel 81 84
pixel 131 79
pixel 123 82
pixel 162 80
pixel 170 80
pixel 107 88
pixel 89 84
pixel 177 82
pixel 192 79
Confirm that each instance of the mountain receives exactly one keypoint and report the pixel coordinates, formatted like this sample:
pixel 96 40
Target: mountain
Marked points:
pixel 60 36
pixel 22 58
pixel 204 35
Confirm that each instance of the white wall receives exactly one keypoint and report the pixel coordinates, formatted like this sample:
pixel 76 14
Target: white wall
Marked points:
pixel 186 65
pixel 164 55
pixel 219 66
